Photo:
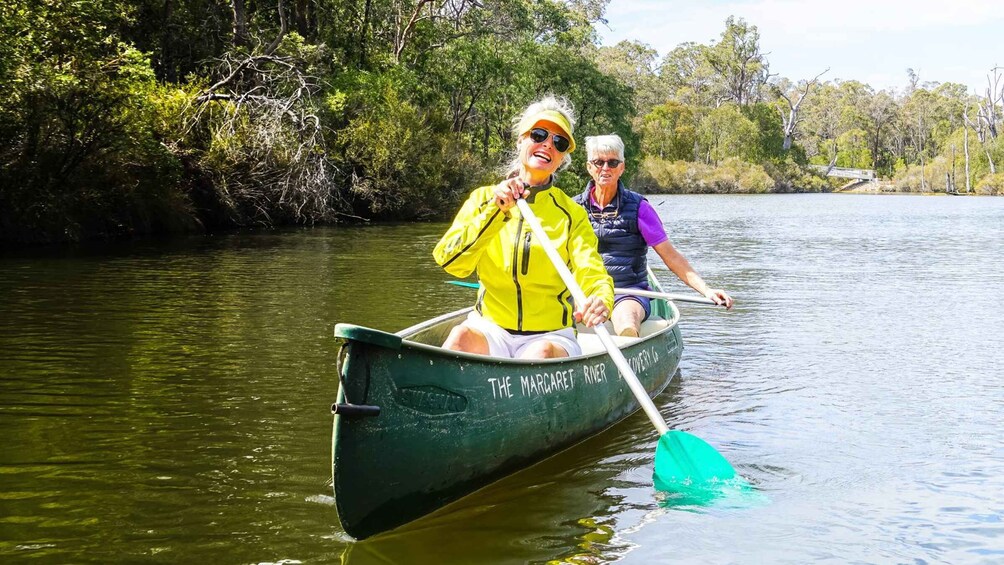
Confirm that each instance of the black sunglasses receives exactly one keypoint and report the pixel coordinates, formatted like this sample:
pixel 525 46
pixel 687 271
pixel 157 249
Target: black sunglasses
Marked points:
pixel 614 163
pixel 561 142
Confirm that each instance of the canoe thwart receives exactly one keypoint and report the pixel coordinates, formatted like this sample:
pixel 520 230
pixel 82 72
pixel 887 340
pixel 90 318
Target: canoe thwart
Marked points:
pixel 368 335
pixel 355 410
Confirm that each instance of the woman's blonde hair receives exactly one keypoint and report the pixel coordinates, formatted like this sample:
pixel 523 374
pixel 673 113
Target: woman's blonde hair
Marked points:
pixel 549 102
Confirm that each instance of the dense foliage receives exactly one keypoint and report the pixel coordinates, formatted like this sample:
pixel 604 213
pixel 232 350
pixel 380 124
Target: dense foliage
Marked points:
pixel 121 118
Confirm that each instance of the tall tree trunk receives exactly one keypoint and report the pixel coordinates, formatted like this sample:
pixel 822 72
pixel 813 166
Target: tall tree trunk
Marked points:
pixel 166 64
pixel 240 25
pixel 364 31
pixel 300 17
pixel 402 33
pixel 923 180
pixel 953 168
pixel 283 29
pixel 920 151
pixel 965 146
pixel 876 140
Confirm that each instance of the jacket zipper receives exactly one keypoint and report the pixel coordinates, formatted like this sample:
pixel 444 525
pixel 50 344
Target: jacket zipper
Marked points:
pixel 526 253
pixel 515 276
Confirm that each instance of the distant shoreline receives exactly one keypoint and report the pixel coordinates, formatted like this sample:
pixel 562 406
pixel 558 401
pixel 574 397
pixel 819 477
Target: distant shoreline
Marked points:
pixel 886 187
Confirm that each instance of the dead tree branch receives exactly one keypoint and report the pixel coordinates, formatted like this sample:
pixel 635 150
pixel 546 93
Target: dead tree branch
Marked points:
pixel 791 120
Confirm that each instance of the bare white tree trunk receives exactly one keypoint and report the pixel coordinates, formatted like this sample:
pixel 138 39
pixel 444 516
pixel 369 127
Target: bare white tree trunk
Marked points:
pixel 965 143
pixel 988 107
pixel 791 120
pixel 988 115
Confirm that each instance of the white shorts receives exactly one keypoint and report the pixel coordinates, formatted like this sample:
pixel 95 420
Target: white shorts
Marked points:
pixel 504 344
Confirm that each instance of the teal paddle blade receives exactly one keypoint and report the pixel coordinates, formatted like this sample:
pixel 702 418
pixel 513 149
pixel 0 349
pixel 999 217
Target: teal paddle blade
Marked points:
pixel 684 461
pixel 464 284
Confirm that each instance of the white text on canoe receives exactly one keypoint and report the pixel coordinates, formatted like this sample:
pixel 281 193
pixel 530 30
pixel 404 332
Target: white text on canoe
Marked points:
pixel 550 382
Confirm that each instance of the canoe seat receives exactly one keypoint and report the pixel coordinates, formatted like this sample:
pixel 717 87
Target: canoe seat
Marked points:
pixel 591 343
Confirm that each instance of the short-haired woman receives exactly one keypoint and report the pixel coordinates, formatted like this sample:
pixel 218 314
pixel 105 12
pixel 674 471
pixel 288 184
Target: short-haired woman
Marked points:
pixel 626 226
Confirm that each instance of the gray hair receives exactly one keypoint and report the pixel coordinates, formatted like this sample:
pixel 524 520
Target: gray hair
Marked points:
pixel 549 102
pixel 596 144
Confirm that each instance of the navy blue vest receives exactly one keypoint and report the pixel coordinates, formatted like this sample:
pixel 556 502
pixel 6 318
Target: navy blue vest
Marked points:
pixel 621 244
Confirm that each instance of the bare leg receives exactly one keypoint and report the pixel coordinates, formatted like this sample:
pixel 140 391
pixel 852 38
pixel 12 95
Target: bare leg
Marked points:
pixel 464 338
pixel 543 350
pixel 627 318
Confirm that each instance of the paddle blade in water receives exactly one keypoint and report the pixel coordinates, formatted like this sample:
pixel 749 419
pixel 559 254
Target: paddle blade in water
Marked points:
pixel 683 460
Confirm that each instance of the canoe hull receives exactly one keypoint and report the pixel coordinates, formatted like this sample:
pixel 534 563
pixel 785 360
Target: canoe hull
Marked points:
pixel 451 423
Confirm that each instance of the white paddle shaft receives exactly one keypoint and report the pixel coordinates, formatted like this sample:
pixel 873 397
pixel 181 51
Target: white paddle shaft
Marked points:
pixel 664 295
pixel 580 298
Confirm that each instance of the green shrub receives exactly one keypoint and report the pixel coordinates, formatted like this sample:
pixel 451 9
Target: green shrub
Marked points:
pixel 684 177
pixel 84 159
pixel 934 174
pixel 676 177
pixel 991 184
pixel 401 161
pixel 735 175
pixel 789 176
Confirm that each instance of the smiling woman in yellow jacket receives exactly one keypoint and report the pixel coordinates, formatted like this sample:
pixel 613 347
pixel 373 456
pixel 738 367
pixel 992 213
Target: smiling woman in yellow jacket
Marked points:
pixel 523 308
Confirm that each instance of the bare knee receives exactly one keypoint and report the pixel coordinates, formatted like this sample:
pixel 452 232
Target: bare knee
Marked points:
pixel 627 317
pixel 543 350
pixel 470 340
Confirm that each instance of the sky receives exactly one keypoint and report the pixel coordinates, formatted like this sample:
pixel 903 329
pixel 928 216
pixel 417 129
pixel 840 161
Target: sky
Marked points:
pixel 871 41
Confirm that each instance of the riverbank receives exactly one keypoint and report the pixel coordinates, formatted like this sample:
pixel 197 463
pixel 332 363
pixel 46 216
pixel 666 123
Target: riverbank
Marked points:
pixel 889 187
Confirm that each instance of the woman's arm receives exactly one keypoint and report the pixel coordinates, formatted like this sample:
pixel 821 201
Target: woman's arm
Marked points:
pixel 477 223
pixel 682 268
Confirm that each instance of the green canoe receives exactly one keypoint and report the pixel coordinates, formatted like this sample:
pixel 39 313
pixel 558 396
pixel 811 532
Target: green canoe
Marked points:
pixel 417 427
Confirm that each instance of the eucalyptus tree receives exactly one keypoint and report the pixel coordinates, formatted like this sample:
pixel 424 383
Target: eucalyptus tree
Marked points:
pixel 634 64
pixel 688 76
pixel 726 132
pixel 853 149
pixel 917 113
pixel 669 132
pixel 881 112
pixel 821 118
pixel 742 68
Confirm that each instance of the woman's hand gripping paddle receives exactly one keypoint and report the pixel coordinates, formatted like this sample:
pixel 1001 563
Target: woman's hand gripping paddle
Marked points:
pixel 682 460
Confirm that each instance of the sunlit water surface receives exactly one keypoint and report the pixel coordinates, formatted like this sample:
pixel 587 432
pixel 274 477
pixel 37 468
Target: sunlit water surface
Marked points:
pixel 169 402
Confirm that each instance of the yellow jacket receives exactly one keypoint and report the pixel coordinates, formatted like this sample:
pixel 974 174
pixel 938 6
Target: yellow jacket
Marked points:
pixel 520 289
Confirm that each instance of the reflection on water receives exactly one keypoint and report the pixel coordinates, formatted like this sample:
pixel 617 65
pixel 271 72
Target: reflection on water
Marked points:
pixel 169 401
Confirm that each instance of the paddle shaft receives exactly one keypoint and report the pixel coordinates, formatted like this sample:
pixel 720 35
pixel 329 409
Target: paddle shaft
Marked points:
pixel 674 297
pixel 627 291
pixel 580 298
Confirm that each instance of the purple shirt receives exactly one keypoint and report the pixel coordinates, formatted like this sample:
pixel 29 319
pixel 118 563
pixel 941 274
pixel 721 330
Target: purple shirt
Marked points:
pixel 649 223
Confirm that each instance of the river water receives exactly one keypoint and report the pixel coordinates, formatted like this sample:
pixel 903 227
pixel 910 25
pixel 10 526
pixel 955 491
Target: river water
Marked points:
pixel 168 402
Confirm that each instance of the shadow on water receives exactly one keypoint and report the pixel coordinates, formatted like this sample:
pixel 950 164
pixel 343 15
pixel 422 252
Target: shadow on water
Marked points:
pixel 535 515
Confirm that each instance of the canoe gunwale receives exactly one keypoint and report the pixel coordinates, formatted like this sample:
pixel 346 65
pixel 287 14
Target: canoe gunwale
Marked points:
pixel 475 357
